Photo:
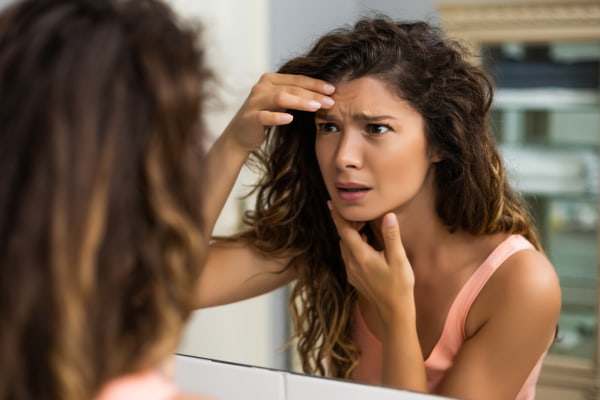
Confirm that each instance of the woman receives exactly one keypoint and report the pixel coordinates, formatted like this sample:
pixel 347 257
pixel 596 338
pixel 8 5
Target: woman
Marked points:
pixel 385 201
pixel 100 230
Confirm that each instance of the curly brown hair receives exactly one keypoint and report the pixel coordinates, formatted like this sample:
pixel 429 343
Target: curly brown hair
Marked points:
pixel 100 156
pixel 433 73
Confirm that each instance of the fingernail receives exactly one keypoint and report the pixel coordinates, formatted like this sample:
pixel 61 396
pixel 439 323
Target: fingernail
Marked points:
pixel 286 118
pixel 329 205
pixel 328 88
pixel 327 101
pixel 390 220
pixel 315 105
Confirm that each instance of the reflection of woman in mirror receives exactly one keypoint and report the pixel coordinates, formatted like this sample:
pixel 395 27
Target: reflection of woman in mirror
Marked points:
pixel 412 295
pixel 99 217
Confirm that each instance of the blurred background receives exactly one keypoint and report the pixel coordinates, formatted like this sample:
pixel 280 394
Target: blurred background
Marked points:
pixel 545 57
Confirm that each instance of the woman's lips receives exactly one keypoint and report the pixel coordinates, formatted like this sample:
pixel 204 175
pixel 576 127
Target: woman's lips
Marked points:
pixel 352 192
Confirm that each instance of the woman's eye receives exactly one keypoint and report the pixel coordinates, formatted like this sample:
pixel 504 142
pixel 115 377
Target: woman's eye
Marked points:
pixel 327 127
pixel 377 129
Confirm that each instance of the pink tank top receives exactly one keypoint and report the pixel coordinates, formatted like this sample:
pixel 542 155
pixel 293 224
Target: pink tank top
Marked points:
pixel 453 335
pixel 147 385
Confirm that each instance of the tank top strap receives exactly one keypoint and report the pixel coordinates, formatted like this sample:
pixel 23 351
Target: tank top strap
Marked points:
pixel 471 289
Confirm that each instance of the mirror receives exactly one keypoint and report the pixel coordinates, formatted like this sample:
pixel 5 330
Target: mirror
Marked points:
pixel 246 40
pixel 244 47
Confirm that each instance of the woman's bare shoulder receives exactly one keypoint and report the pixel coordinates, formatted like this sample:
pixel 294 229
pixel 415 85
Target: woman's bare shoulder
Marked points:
pixel 183 396
pixel 529 273
pixel 527 285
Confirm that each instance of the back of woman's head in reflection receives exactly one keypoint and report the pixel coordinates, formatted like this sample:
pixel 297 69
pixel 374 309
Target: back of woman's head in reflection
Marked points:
pixel 100 226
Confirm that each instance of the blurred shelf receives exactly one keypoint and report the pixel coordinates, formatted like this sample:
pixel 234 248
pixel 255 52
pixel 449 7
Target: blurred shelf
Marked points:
pixel 546 99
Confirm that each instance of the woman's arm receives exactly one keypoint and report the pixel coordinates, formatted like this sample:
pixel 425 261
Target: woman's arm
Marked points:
pixel 236 271
pixel 265 106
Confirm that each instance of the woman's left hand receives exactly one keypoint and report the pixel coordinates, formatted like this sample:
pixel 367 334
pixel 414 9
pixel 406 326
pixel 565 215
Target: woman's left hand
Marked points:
pixel 385 278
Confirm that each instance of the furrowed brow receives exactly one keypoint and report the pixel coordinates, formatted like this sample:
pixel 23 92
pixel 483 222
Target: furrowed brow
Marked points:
pixel 370 117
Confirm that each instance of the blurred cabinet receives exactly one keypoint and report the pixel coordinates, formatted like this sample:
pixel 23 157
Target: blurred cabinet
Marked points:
pixel 545 59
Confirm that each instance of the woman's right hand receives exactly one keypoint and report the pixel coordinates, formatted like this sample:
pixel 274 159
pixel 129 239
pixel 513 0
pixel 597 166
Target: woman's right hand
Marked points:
pixel 268 101
pixel 265 107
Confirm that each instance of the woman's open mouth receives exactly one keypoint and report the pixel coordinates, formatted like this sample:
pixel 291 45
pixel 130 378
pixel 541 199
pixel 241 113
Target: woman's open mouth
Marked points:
pixel 352 192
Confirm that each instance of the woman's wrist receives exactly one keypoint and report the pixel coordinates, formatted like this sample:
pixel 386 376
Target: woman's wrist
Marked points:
pixel 399 312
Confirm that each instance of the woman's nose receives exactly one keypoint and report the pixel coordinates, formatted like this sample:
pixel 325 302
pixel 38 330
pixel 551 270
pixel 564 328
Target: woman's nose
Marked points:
pixel 349 152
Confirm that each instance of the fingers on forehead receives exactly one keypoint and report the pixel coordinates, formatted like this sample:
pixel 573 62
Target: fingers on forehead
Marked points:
pixel 306 82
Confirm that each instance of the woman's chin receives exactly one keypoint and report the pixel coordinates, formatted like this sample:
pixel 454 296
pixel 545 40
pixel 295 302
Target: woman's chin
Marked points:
pixel 359 216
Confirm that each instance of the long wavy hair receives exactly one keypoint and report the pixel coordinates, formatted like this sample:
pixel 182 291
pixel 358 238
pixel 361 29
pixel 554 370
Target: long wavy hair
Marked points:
pixel 420 65
pixel 100 154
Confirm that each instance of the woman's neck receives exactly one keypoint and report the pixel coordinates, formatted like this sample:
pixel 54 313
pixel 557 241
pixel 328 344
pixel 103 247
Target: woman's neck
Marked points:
pixel 425 238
